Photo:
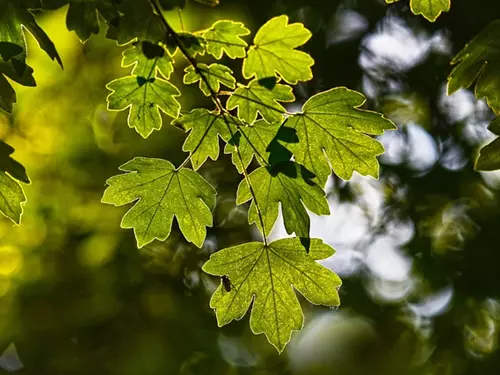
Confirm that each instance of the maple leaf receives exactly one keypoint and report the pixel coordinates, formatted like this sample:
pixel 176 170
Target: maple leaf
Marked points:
pixel 145 98
pixel 267 276
pixel 287 183
pixel 161 192
pixel 333 133
pixel 254 99
pixel 225 37
pixel 147 59
pixel 214 75
pixel 273 52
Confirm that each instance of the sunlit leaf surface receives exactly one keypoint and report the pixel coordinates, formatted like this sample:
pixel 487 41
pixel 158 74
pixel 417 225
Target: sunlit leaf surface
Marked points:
pixel 333 133
pixel 160 192
pixel 273 52
pixel 287 183
pixel 267 276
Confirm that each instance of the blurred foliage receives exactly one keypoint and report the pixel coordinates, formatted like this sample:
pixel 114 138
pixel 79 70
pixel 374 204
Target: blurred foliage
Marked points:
pixel 77 297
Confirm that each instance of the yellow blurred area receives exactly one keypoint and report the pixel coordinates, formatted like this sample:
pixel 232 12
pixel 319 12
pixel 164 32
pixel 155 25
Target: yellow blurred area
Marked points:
pixel 11 260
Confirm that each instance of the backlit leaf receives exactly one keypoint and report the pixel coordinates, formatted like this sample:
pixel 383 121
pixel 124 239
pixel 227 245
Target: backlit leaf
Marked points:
pixel 214 75
pixel 291 185
pixel 255 98
pixel 145 98
pixel 206 128
pixel 479 62
pixel 12 197
pixel 332 130
pixel 147 59
pixel 430 9
pixel 273 52
pixel 251 140
pixel 225 37
pixel 267 276
pixel 160 193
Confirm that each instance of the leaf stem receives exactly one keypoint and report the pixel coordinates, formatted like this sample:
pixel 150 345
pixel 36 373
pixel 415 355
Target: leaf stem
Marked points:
pixel 171 32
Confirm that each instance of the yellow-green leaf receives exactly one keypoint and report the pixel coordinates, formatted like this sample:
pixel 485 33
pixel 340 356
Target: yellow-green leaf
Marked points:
pixel 273 52
pixel 252 140
pixel 430 9
pixel 145 98
pixel 255 98
pixel 291 185
pixel 206 128
pixel 333 134
pixel 210 77
pixel 160 193
pixel 267 276
pixel 225 37
pixel 147 59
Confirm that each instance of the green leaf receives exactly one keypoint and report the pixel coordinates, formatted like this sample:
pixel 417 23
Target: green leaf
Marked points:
pixel 145 97
pixel 225 37
pixel 332 132
pixel 489 155
pixel 287 183
pixel 214 75
pixel 206 128
pixel 12 197
pixel 267 276
pixel 82 16
pixel 255 98
pixel 251 140
pixel 273 52
pixel 430 9
pixel 12 42
pixel 138 22
pixel 479 62
pixel 7 95
pixel 161 192
pixel 193 44
pixel 147 59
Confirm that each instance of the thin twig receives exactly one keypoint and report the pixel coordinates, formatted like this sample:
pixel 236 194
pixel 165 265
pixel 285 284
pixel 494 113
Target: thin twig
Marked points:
pixel 171 32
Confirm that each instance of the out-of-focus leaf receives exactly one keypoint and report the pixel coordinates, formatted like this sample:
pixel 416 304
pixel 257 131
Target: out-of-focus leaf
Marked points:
pixel 333 135
pixel 206 128
pixel 251 140
pixel 255 98
pixel 12 196
pixel 273 52
pixel 430 9
pixel 214 75
pixel 267 276
pixel 145 97
pixel 161 192
pixel 225 37
pixel 489 155
pixel 147 59
pixel 479 62
pixel 137 22
pixel 83 19
pixel 291 185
